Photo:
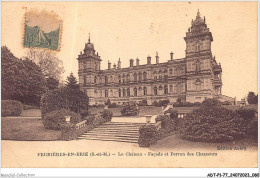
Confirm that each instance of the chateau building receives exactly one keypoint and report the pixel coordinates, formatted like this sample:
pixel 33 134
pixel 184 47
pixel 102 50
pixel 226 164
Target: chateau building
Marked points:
pixel 190 79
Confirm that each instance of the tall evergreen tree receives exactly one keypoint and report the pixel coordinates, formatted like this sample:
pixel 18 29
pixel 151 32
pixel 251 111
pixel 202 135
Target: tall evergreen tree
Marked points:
pixel 72 82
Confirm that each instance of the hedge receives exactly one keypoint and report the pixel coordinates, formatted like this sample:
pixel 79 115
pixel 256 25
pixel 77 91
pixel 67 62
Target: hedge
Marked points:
pixel 55 119
pixel 130 109
pixel 11 108
pixel 147 135
pixel 214 123
pixel 66 98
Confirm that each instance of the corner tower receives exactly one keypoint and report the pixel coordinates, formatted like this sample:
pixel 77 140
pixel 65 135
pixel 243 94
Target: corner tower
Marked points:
pixel 203 72
pixel 89 66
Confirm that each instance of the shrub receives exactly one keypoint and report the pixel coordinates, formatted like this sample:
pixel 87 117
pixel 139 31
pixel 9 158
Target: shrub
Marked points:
pixel 55 119
pixel 147 135
pixel 98 119
pixel 11 108
pixel 156 104
pixel 90 119
pixel 108 103
pixel 112 105
pixel 212 123
pixel 246 114
pixel 163 102
pixel 107 115
pixel 66 98
pixel 130 109
pixel 173 113
pixel 168 124
pixel 143 103
pixel 252 129
pixel 186 104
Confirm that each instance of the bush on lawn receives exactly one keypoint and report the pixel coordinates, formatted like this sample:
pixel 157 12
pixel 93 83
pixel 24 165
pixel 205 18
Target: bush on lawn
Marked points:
pixel 54 119
pixel 66 98
pixel 143 103
pixel 112 105
pixel 11 108
pixel 161 103
pixel 252 129
pixel 186 104
pixel 130 109
pixel 147 135
pixel 173 113
pixel 107 115
pixel 98 120
pixel 213 123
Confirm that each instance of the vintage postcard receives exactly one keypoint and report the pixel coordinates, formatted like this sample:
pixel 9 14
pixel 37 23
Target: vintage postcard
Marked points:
pixel 129 85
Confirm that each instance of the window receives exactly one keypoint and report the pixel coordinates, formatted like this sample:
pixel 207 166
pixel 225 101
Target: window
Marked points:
pixel 106 93
pixel 197 65
pixel 135 91
pixel 145 76
pixel 100 80
pixel 170 71
pixel 165 77
pixel 128 92
pixel 127 78
pixel 85 91
pixel 111 79
pixel 85 80
pixel 123 78
pixel 171 89
pixel 95 79
pixel 119 79
pixel 178 88
pixel 198 85
pixel 155 90
pixel 135 77
pixel 119 93
pixel 165 89
pixel 123 92
pixel 106 81
pixel 140 77
pixel 145 91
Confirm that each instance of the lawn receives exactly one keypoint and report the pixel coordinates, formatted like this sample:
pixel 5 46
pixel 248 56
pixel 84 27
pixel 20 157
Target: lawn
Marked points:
pixel 27 129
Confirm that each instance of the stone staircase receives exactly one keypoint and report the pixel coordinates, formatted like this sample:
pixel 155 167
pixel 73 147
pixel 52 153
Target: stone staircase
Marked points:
pixel 114 131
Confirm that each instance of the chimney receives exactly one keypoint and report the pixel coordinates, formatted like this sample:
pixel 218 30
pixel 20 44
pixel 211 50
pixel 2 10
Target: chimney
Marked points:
pixel 157 58
pixel 171 55
pixel 109 65
pixel 114 66
pixel 119 64
pixel 137 62
pixel 131 62
pixel 148 60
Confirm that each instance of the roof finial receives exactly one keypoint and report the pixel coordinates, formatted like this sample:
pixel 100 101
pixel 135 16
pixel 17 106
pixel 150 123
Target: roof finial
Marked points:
pixel 198 13
pixel 88 37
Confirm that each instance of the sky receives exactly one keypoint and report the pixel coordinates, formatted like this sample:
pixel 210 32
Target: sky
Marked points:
pixel 128 30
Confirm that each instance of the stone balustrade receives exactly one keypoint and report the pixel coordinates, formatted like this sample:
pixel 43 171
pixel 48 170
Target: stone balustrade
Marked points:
pixel 81 124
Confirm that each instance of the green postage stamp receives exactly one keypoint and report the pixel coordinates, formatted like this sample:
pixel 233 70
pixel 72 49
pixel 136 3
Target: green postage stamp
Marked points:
pixel 42 30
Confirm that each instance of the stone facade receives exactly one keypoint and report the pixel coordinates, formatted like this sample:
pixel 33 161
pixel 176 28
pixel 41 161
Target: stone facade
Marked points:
pixel 190 79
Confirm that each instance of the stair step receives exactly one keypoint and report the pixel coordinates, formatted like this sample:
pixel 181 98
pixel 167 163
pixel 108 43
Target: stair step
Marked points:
pixel 113 132
pixel 115 140
pixel 115 129
pixel 111 135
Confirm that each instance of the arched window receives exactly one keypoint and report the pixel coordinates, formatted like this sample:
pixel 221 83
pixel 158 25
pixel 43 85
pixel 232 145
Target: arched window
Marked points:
pixel 95 79
pixel 123 78
pixel 119 79
pixel 165 89
pixel 197 65
pixel 140 76
pixel 106 93
pixel 128 92
pixel 155 75
pixel 106 81
pixel 155 90
pixel 123 92
pixel 135 91
pixel 144 76
pixel 145 91
pixel 119 93
pixel 127 78
pixel 165 76
pixel 198 85
pixel 171 89
pixel 111 79
pixel 178 88
pixel 85 80
pixel 135 77
pixel 170 71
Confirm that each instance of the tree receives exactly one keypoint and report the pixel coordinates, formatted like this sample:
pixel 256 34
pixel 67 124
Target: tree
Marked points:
pixel 22 80
pixel 252 98
pixel 50 65
pixel 72 82
pixel 52 83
